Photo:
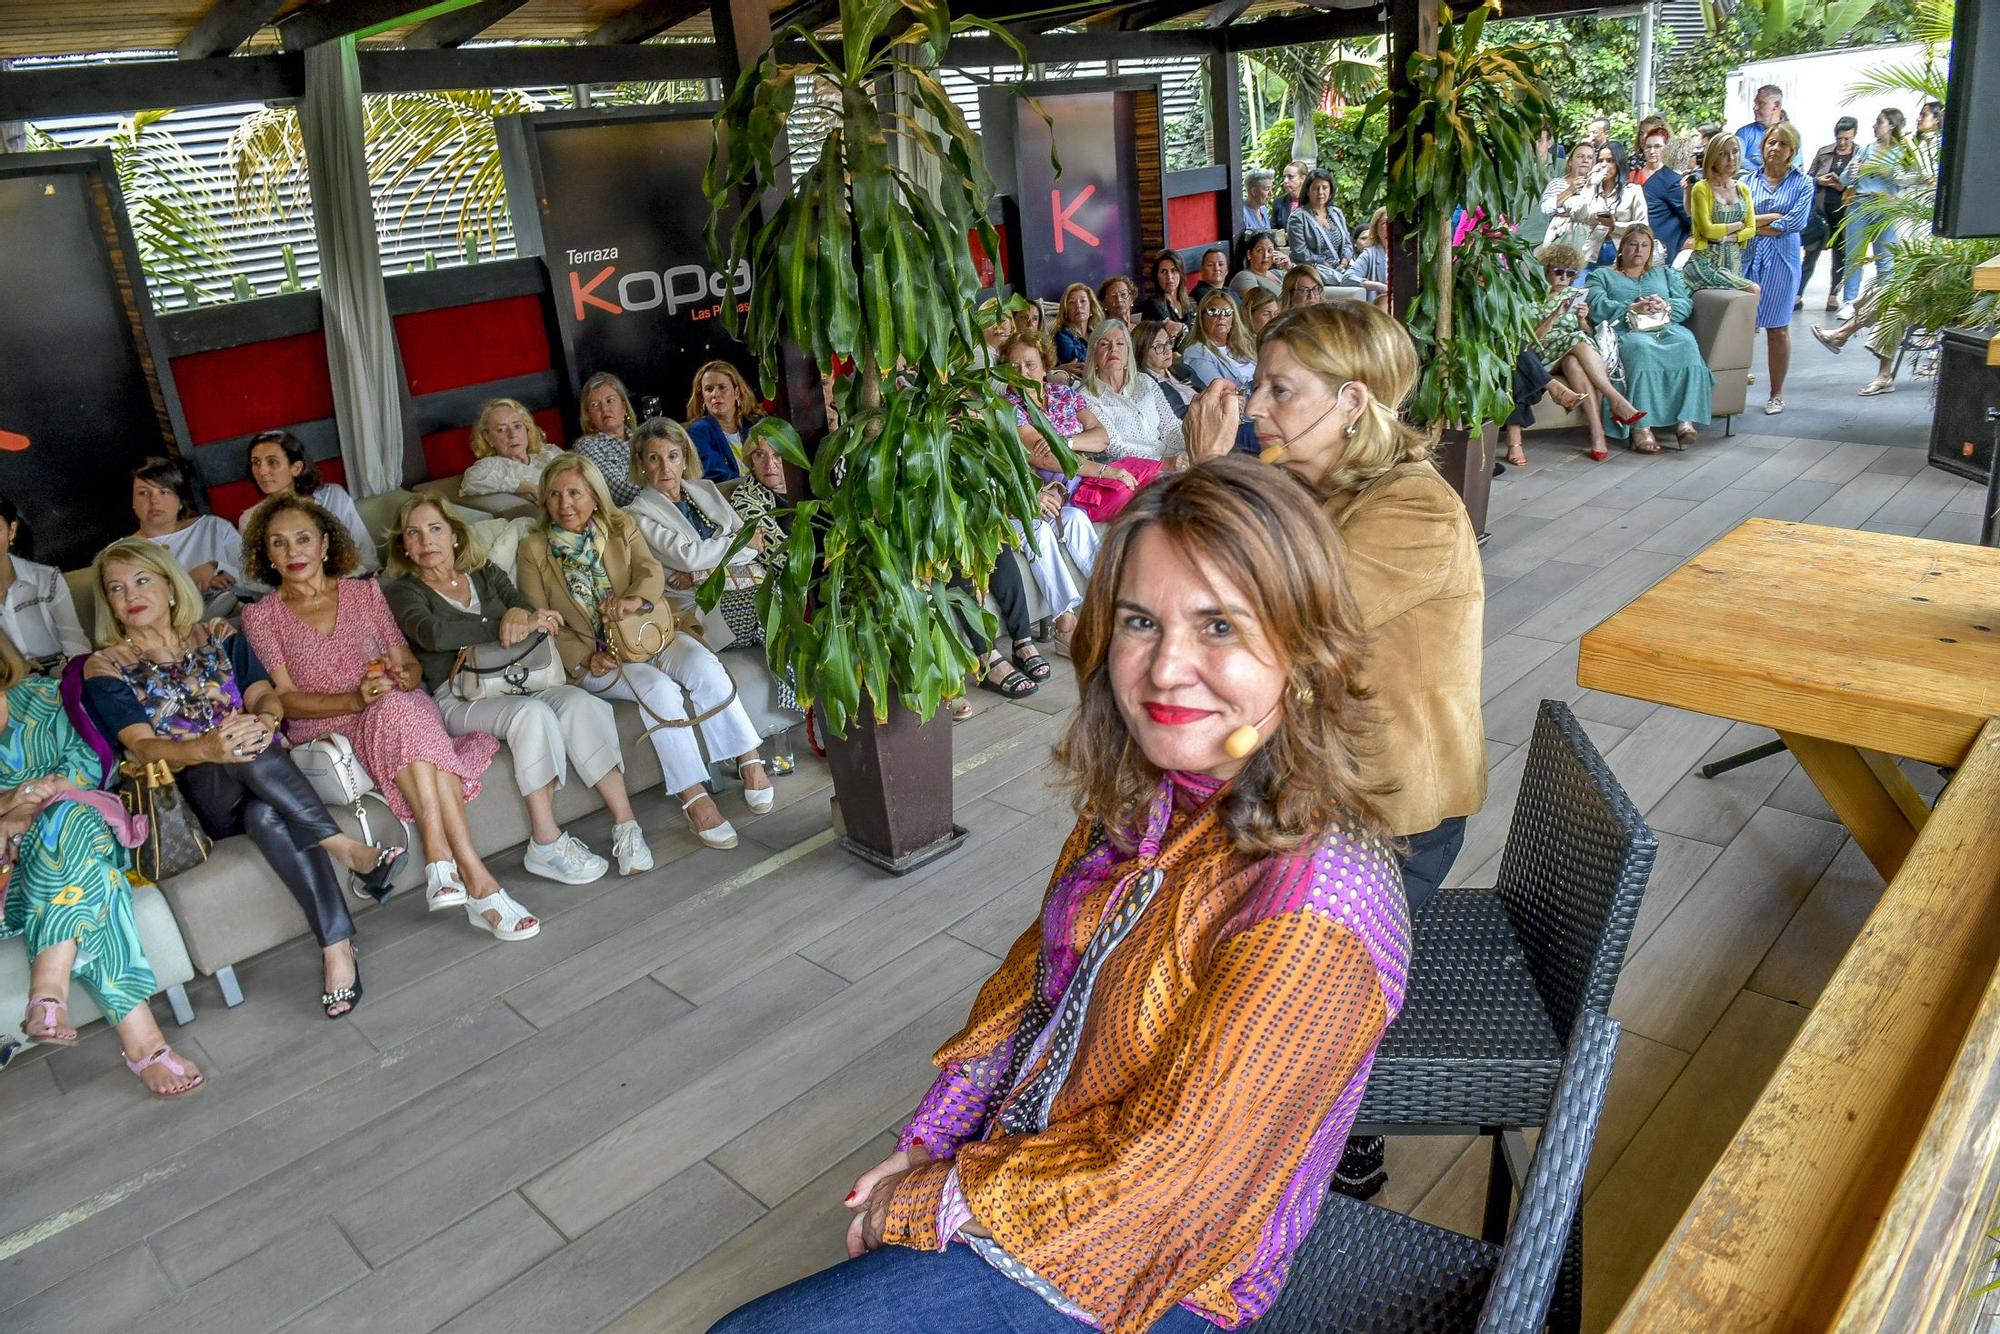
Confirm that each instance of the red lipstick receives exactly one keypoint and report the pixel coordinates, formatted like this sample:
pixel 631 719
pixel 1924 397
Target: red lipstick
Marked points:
pixel 1167 715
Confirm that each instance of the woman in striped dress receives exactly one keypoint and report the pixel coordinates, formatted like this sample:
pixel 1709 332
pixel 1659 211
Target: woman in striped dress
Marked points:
pixel 1782 196
pixel 66 890
pixel 1721 220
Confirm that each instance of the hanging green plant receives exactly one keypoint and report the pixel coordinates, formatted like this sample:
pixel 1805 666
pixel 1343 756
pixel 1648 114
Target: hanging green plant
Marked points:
pixel 1469 143
pixel 861 264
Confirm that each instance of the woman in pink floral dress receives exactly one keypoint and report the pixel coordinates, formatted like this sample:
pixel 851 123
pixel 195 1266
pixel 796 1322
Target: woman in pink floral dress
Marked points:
pixel 341 665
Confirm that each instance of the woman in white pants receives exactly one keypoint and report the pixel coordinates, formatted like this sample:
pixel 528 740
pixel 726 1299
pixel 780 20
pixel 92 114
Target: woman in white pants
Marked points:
pixel 447 597
pixel 588 558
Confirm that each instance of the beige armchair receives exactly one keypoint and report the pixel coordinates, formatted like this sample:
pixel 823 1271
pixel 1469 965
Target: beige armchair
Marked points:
pixel 1725 328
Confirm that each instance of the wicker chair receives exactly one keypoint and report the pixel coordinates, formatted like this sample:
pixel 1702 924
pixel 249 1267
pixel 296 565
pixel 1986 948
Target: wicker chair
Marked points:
pixel 1363 1267
pixel 1501 977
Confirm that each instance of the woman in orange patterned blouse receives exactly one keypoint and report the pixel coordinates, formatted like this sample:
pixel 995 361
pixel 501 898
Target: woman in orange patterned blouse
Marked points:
pixel 1135 1128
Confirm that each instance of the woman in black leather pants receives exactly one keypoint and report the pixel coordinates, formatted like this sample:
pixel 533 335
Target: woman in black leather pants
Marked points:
pixel 171 687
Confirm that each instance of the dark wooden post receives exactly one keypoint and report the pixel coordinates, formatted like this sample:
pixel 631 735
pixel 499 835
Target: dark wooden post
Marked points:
pixel 1225 127
pixel 1412 29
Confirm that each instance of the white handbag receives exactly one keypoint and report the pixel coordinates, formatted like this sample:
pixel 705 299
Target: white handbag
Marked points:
pixel 331 766
pixel 488 671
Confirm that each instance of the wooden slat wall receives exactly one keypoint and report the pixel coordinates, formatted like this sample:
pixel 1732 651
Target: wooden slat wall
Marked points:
pixel 1146 151
pixel 1795 1207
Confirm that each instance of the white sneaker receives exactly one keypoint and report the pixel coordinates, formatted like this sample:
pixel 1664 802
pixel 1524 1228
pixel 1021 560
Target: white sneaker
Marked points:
pixel 566 860
pixel 628 844
pixel 1845 313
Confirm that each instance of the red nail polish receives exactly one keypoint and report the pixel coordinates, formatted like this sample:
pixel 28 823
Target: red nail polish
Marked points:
pixel 849 1199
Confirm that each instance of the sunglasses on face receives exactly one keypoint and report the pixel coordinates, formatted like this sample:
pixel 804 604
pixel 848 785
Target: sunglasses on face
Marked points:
pixel 1220 313
pixel 1562 273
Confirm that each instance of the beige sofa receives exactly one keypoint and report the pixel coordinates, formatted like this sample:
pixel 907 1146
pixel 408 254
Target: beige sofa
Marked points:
pixel 1725 328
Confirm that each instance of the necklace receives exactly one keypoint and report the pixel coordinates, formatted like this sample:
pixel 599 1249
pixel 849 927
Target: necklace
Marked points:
pixel 318 595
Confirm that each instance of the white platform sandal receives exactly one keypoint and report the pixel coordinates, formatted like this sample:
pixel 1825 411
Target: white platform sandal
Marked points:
pixel 516 922
pixel 722 836
pixel 758 799
pixel 442 887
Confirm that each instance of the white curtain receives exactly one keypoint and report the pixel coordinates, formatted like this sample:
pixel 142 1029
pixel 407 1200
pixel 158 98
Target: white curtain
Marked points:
pixel 360 340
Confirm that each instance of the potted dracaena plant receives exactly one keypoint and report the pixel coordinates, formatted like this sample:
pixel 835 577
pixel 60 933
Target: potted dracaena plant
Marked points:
pixel 917 489
pixel 1469 144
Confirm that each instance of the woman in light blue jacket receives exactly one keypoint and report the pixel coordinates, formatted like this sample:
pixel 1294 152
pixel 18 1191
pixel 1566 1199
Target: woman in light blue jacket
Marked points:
pixel 1220 346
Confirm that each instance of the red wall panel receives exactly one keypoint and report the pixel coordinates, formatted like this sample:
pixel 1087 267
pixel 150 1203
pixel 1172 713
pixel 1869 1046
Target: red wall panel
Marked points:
pixel 448 453
pixel 1193 220
pixel 464 345
pixel 238 390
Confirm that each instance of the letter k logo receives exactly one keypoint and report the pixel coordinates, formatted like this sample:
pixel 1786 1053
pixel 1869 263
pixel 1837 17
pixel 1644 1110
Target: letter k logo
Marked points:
pixel 581 292
pixel 1065 217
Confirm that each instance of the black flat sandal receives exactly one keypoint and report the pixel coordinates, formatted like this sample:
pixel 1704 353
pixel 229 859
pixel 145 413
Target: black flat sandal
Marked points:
pixel 1031 662
pixel 1014 685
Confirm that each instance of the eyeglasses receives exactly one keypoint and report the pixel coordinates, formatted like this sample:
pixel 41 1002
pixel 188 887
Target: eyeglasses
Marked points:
pixel 1219 313
pixel 1562 273
pixel 1306 289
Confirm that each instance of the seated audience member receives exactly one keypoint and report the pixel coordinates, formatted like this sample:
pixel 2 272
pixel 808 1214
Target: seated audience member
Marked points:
pixel 447 597
pixel 1220 347
pixel 1260 268
pixel 1137 418
pixel 720 412
pixel 760 498
pixel 1214 273
pixel 1318 230
pixel 1565 349
pixel 170 686
pixel 1290 183
pixel 994 327
pixel 1169 303
pixel 608 423
pixel 510 452
pixel 996 672
pixel 340 664
pixel 1027 315
pixel 1119 297
pixel 1302 287
pixel 210 550
pixel 1076 315
pixel 1062 526
pixel 279 466
pixel 588 561
pixel 1259 308
pixel 1156 355
pixel 68 897
pixel 1370 269
pixel 1157 1167
pixel 36 609
pixel 1258 182
pixel 1665 378
pixel 689 527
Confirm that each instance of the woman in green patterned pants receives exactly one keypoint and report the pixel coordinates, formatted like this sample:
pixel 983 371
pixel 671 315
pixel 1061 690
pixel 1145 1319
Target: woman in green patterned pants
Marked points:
pixel 65 885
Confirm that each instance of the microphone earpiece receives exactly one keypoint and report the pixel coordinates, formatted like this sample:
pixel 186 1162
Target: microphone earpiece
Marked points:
pixel 1273 454
pixel 1245 739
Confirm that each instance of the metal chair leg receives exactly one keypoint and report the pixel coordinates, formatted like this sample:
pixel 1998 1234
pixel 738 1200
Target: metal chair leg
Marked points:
pixel 232 993
pixel 1741 758
pixel 177 997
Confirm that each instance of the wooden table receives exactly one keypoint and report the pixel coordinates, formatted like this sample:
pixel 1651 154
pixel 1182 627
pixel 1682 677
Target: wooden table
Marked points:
pixel 1853 647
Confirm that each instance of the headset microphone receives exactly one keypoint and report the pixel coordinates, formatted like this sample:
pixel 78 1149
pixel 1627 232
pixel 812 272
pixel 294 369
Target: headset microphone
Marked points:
pixel 1238 744
pixel 1276 454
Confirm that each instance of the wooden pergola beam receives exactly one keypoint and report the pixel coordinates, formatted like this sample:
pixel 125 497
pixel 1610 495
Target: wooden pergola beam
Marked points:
pixel 330 20
pixel 808 14
pixel 459 26
pixel 227 25
pixel 533 66
pixel 649 18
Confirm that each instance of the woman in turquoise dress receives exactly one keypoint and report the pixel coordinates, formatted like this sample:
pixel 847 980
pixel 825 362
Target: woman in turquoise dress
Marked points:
pixel 66 889
pixel 1665 376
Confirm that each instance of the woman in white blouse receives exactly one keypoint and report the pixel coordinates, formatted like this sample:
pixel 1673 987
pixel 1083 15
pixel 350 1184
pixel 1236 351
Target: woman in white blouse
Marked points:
pixel 1132 406
pixel 36 609
pixel 279 466
pixel 209 549
pixel 509 451
pixel 1614 206
pixel 1566 203
pixel 689 525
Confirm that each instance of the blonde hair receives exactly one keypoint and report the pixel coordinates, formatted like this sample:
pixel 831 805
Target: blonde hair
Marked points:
pixel 609 515
pixel 1095 387
pixel 1092 319
pixel 183 607
pixel 671 431
pixel 1787 132
pixel 1239 344
pixel 483 448
pixel 466 553
pixel 1711 157
pixel 1343 341
pixel 746 401
pixel 591 386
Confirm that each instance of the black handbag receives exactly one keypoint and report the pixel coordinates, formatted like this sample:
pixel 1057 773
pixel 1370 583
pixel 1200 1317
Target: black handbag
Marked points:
pixel 175 841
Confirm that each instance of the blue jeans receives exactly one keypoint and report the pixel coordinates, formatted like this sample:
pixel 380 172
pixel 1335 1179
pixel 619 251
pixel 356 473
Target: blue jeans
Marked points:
pixel 1859 219
pixel 900 1291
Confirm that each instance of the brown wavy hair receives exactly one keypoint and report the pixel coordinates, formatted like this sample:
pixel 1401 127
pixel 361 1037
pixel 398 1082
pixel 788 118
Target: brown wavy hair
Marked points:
pixel 341 554
pixel 1263 532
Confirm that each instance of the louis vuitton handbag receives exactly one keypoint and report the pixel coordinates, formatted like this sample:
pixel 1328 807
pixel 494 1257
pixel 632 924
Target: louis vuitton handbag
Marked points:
pixel 175 841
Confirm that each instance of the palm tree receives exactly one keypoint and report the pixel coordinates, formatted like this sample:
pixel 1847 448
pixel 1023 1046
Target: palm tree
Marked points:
pixel 1351 70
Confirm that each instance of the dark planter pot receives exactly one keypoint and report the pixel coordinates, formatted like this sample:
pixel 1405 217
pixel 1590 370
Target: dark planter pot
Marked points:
pixel 892 788
pixel 1466 460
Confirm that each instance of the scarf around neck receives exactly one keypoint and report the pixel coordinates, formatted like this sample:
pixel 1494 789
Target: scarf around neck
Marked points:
pixel 580 558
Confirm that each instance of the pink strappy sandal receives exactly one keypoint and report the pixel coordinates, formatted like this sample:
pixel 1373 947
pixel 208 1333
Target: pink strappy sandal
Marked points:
pixel 47 1029
pixel 165 1056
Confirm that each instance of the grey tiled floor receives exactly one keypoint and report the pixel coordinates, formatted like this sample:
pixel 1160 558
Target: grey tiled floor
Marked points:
pixel 652 1111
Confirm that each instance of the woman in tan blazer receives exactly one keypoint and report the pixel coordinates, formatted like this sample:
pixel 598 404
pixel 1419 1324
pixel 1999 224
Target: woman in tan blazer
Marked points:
pixel 588 558
pixel 1330 379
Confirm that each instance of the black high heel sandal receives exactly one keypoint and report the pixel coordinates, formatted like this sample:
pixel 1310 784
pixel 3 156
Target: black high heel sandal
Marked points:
pixel 375 884
pixel 348 996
